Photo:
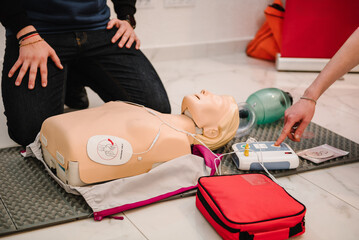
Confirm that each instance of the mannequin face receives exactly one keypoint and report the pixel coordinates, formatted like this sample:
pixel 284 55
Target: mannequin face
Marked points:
pixel 207 110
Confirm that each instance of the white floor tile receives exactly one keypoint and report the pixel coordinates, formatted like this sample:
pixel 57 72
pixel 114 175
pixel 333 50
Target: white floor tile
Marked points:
pixel 335 119
pixel 327 217
pixel 175 219
pixel 341 181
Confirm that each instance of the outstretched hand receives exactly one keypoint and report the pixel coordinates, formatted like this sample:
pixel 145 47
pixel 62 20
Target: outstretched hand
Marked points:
pixel 33 55
pixel 125 32
pixel 296 119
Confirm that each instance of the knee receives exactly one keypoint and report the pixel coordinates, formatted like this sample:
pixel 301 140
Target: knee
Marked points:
pixel 160 102
pixel 163 106
pixel 166 108
pixel 23 132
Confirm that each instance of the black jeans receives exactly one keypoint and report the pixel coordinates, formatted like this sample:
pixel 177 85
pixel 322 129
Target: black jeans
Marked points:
pixel 113 73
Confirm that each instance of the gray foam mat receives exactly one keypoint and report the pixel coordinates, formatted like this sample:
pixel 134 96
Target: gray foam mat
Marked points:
pixel 313 136
pixel 6 224
pixel 30 198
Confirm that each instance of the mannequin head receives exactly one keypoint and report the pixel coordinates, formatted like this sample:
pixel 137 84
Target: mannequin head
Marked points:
pixel 216 115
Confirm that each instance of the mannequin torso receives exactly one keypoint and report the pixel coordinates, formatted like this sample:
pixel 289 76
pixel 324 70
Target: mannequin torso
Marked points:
pixel 145 138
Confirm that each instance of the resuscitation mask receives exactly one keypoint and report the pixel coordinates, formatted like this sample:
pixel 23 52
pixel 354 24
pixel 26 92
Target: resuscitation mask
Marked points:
pixel 264 106
pixel 247 119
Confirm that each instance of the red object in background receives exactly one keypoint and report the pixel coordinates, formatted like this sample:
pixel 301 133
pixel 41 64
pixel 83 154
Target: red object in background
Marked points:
pixel 267 41
pixel 317 28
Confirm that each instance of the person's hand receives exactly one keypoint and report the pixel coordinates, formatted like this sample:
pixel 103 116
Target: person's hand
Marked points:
pixel 33 55
pixel 125 31
pixel 296 119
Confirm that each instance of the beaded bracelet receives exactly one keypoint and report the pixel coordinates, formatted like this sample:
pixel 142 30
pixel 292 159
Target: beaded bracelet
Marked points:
pixel 23 45
pixel 25 35
pixel 310 99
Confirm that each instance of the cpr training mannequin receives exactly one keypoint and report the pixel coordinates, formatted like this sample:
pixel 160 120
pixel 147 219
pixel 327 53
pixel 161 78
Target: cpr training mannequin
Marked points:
pixel 121 139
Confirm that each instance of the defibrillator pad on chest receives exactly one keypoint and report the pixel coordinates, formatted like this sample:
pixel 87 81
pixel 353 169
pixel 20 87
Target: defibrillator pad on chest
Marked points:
pixel 109 150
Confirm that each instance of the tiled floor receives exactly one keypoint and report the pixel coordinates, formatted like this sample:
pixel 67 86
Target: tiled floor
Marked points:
pixel 330 195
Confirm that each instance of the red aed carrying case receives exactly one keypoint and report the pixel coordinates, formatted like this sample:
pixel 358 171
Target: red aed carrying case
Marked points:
pixel 249 206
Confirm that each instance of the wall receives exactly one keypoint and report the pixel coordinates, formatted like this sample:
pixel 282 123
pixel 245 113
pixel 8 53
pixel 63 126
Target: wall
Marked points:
pixel 208 28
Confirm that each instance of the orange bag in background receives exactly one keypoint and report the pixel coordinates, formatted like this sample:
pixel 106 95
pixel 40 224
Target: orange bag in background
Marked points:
pixel 268 40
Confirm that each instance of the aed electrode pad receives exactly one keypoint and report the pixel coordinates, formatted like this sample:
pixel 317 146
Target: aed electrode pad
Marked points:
pixel 109 150
pixel 273 157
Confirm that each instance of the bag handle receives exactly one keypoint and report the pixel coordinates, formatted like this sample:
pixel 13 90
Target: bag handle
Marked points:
pixel 283 233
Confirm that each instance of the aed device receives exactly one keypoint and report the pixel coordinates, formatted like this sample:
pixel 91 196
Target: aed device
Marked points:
pixel 248 156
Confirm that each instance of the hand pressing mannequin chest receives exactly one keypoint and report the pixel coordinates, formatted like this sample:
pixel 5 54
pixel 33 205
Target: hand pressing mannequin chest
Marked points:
pixel 152 136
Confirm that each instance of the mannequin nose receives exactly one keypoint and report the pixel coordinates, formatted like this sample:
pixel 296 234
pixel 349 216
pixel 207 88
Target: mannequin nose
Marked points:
pixel 206 92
